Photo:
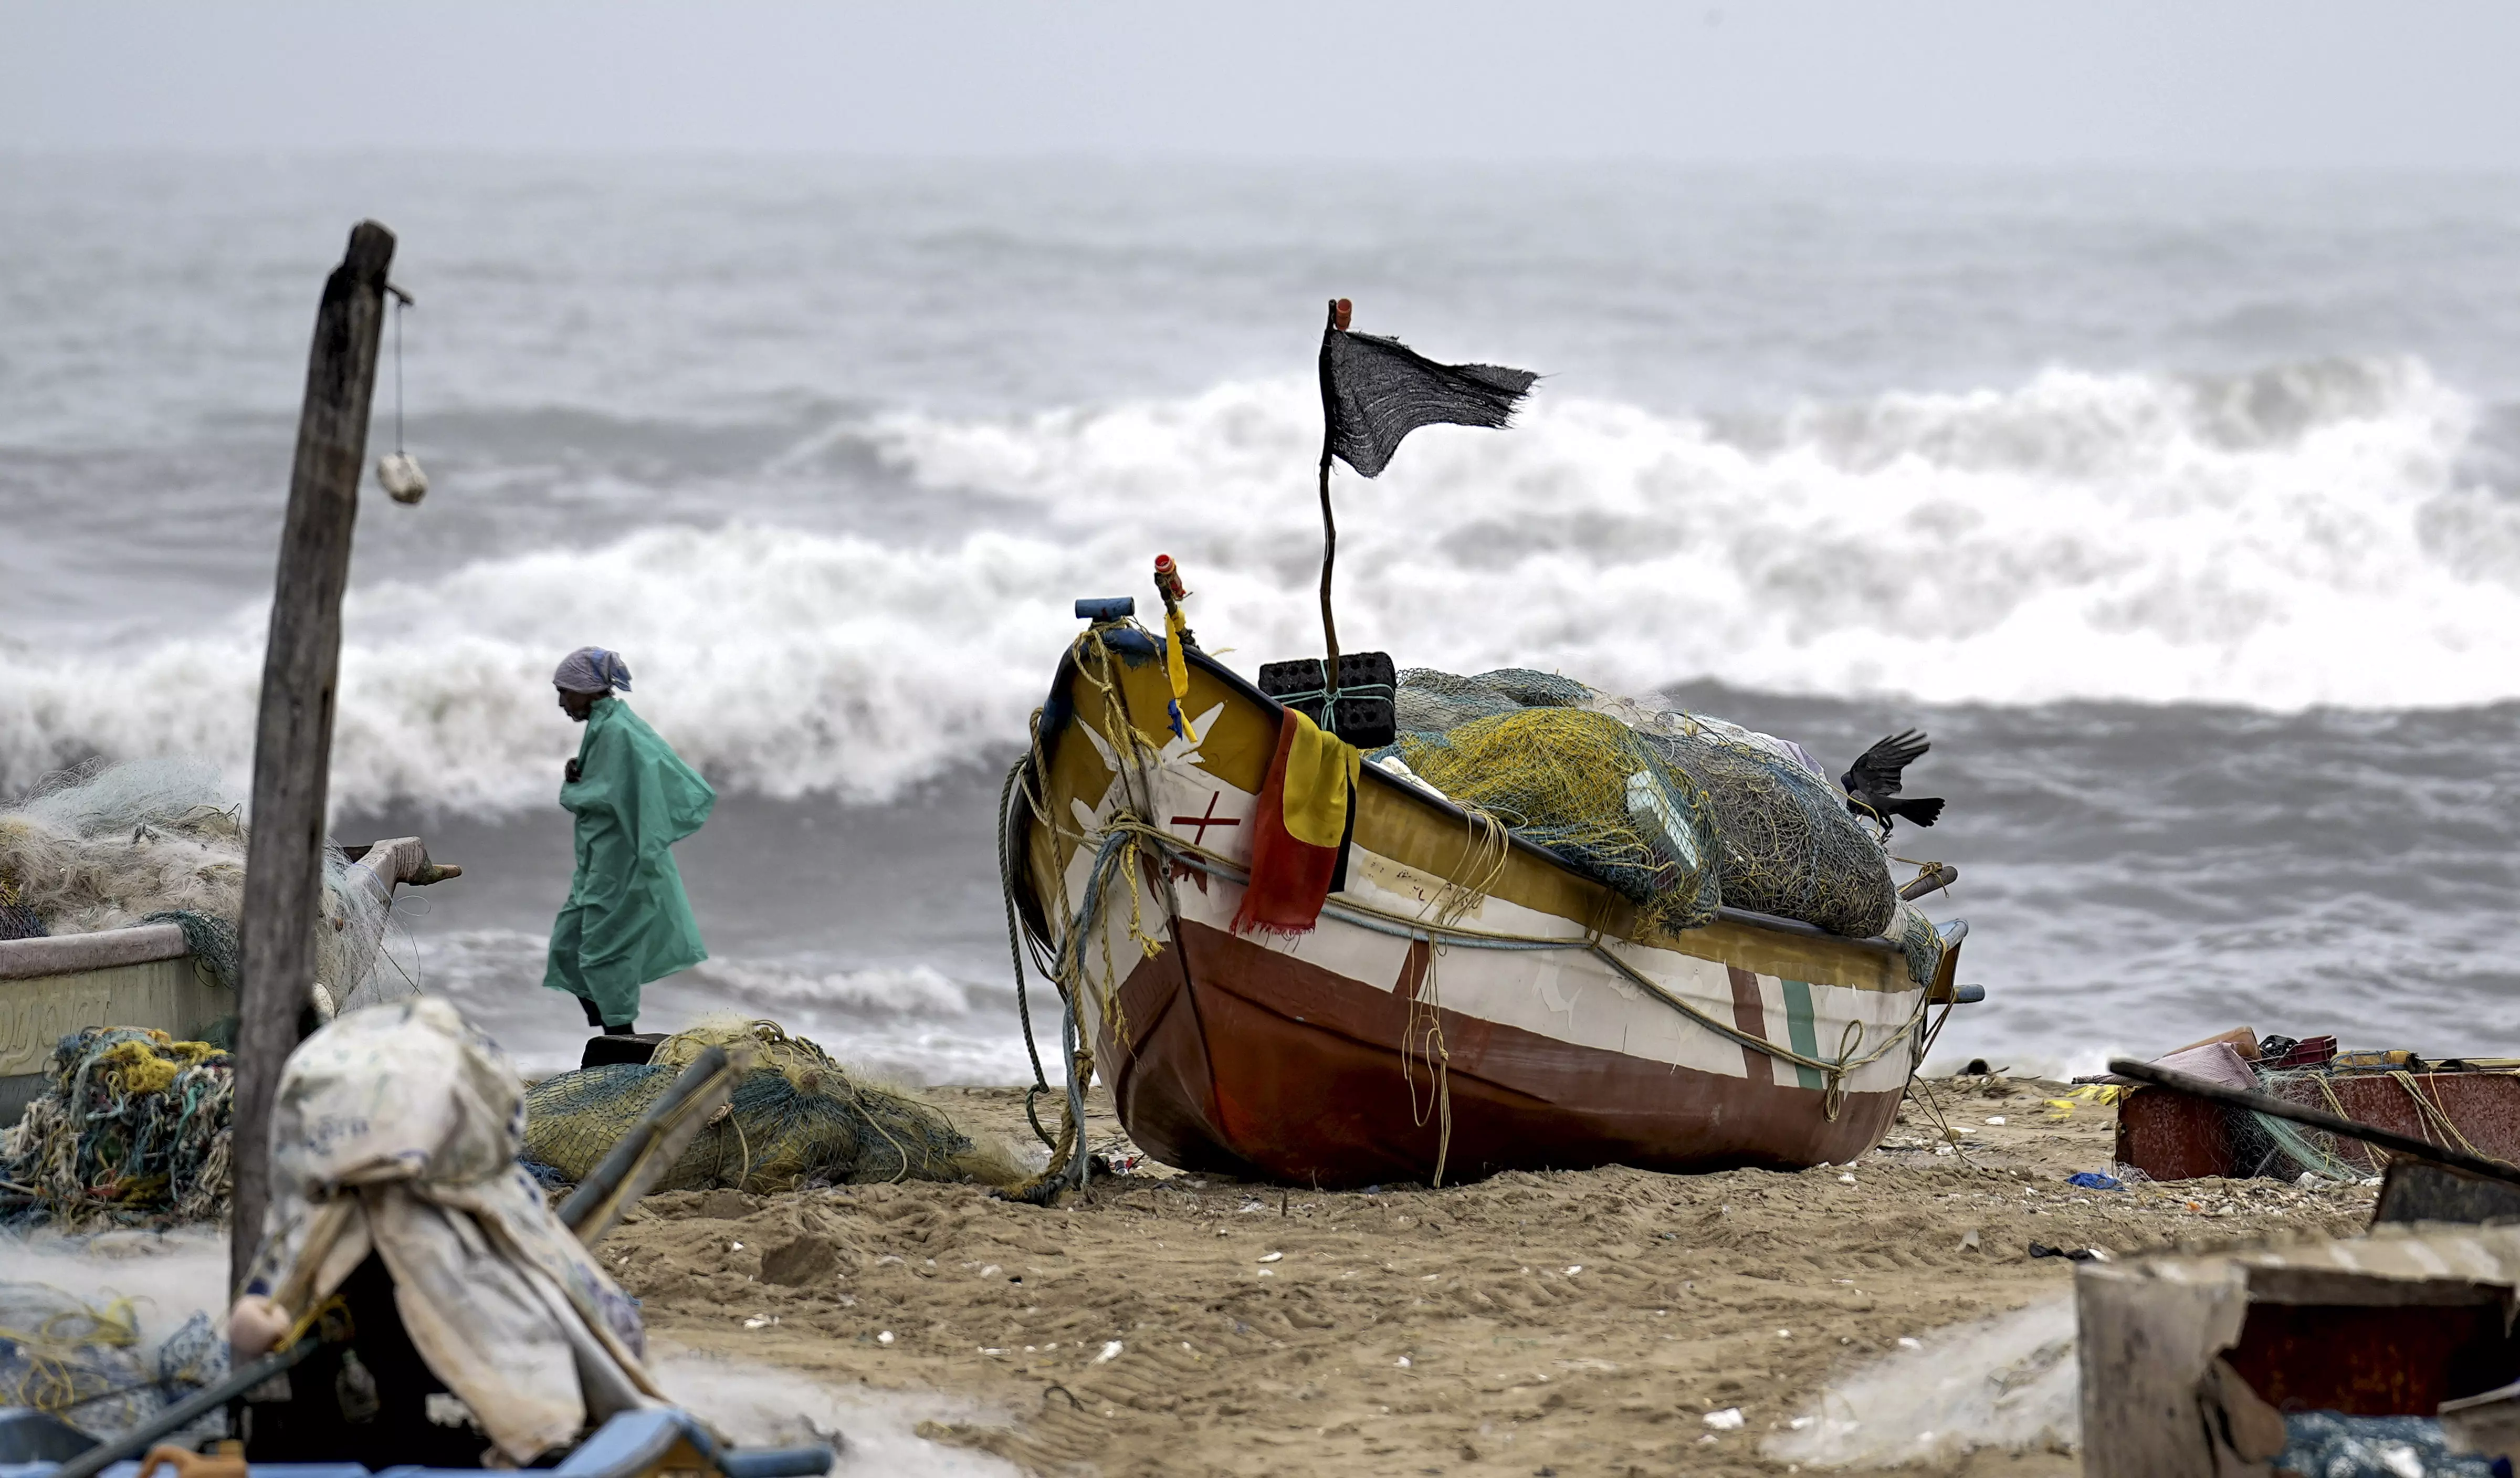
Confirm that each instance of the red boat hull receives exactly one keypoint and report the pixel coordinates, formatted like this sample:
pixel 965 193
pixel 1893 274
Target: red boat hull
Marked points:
pixel 1258 1064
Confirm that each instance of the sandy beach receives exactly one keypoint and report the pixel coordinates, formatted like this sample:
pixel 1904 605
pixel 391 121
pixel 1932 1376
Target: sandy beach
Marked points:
pixel 1566 1322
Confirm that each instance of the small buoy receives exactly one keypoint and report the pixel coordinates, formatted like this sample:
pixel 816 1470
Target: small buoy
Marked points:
pixel 399 475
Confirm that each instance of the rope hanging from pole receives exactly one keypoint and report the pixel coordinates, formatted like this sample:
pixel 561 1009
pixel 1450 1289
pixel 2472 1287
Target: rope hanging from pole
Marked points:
pixel 398 472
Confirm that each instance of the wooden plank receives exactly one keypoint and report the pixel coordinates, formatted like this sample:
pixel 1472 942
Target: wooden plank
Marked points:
pixel 67 953
pixel 293 735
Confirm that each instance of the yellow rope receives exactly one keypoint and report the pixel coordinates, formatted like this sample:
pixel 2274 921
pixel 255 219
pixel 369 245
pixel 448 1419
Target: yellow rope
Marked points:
pixel 51 1379
pixel 1934 1111
pixel 2438 1116
pixel 2326 1090
pixel 310 1319
pixel 1486 852
pixel 1425 1024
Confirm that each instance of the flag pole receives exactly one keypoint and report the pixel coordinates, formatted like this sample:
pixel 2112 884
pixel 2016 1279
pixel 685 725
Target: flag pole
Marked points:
pixel 1329 555
pixel 1339 311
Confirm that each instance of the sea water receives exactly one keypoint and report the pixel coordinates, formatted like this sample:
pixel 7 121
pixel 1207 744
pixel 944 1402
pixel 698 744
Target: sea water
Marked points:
pixel 2182 510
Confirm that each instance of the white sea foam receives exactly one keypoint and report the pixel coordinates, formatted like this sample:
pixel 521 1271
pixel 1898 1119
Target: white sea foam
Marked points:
pixel 2291 538
pixel 916 990
pixel 905 1023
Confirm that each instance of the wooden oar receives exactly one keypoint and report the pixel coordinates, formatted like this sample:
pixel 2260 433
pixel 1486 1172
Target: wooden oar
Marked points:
pixel 639 1158
pixel 184 1413
pixel 2283 1108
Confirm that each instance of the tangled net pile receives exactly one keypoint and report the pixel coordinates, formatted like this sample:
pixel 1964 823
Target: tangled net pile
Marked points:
pixel 131 1130
pixel 796 1120
pixel 105 845
pixel 1742 819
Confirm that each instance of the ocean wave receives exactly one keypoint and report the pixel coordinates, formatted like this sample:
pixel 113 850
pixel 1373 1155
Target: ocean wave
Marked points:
pixel 2297 537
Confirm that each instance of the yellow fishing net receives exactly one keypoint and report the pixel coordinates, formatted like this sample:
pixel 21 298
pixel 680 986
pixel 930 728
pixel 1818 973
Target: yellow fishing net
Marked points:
pixel 149 1064
pixel 1590 789
pixel 132 1129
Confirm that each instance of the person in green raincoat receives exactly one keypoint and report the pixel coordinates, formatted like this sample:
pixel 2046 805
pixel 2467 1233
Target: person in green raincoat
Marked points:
pixel 626 921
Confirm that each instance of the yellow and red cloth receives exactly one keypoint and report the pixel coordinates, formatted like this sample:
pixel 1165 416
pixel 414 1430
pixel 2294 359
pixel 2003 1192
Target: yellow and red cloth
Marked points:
pixel 1306 808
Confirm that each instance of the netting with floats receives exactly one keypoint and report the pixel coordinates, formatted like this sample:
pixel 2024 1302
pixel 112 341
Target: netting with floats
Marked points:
pixel 1588 789
pixel 795 1120
pixel 1679 811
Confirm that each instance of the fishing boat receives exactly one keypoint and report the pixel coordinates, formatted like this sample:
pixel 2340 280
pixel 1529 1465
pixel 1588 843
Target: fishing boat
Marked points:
pixel 143 975
pixel 1467 1004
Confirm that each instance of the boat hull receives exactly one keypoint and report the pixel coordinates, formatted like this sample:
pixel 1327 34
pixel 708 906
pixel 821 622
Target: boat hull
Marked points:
pixel 1540 1028
pixel 1272 1069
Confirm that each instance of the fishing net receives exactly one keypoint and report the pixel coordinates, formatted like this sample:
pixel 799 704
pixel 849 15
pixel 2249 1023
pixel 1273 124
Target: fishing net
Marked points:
pixel 17 920
pixel 1587 787
pixel 131 1130
pixel 107 845
pixel 1781 838
pixel 796 1120
pixel 89 1366
pixel 1919 939
pixel 1790 848
pixel 2264 1146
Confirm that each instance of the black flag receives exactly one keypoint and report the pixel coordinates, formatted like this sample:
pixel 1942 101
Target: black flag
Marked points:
pixel 1375 391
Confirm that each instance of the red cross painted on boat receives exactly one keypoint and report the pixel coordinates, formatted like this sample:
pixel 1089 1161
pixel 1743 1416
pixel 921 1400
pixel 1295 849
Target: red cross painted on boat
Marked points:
pixel 1202 822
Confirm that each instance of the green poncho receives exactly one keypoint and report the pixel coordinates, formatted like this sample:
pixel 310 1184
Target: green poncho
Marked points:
pixel 626 921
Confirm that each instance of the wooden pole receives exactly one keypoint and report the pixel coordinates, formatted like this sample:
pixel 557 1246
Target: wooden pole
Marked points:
pixel 1336 323
pixel 1330 556
pixel 293 743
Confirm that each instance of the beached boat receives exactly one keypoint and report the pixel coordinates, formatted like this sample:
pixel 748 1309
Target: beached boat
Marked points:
pixel 1466 1002
pixel 144 975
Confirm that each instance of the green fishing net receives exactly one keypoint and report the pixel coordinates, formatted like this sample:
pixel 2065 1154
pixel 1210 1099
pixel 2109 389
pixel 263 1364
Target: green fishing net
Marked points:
pixel 1580 772
pixel 795 1120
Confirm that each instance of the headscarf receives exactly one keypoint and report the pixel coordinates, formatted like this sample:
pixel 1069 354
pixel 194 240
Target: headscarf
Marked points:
pixel 592 669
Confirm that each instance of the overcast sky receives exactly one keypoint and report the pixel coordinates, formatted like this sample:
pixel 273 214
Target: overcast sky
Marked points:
pixel 2418 83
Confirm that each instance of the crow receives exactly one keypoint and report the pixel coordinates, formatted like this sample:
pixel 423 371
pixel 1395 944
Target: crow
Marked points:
pixel 1873 784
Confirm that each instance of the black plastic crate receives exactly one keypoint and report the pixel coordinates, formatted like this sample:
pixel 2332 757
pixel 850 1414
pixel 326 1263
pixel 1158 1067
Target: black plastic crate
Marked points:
pixel 1367 684
pixel 606 1050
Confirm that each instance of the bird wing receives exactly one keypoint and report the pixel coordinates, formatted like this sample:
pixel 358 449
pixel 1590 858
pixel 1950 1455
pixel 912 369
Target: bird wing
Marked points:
pixel 1877 769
